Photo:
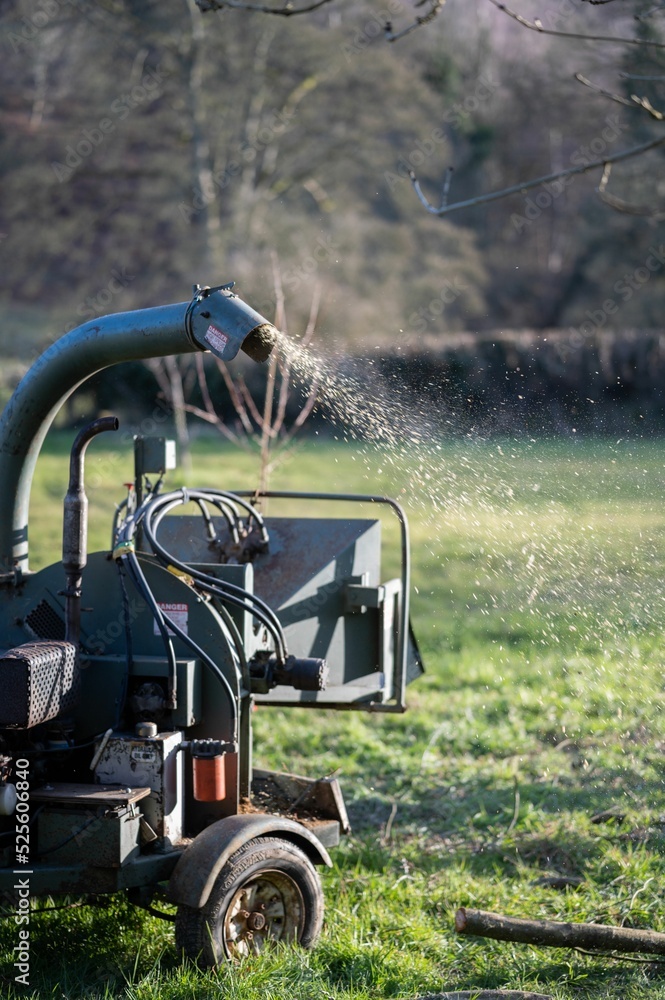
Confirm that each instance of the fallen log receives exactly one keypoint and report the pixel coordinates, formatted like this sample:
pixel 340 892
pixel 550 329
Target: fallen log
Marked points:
pixel 488 995
pixel 593 937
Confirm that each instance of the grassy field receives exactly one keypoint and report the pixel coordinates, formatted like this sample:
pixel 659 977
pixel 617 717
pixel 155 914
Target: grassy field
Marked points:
pixel 539 606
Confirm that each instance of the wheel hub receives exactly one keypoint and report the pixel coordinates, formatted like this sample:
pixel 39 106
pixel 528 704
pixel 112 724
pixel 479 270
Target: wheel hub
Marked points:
pixel 256 921
pixel 265 909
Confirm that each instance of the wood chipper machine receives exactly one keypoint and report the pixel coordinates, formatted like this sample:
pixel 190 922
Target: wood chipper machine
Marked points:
pixel 128 677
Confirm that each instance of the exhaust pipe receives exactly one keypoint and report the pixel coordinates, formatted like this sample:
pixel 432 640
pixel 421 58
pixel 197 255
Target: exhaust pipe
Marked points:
pixel 75 525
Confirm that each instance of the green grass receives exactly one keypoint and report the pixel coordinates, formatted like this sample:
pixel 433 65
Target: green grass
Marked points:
pixel 538 603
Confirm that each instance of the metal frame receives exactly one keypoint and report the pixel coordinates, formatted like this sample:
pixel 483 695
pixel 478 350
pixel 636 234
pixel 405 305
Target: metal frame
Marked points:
pixel 399 706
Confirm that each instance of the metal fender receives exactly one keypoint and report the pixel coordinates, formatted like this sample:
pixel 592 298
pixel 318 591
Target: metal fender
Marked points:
pixel 198 867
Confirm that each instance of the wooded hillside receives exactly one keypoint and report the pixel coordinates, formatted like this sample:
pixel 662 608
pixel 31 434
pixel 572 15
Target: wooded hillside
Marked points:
pixel 145 146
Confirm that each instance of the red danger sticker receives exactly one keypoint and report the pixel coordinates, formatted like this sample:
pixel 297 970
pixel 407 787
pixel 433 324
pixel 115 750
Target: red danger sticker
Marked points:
pixel 216 338
pixel 178 613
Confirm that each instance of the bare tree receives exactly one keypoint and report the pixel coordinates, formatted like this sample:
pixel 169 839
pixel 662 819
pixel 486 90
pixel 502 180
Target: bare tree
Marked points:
pixel 262 427
pixel 603 164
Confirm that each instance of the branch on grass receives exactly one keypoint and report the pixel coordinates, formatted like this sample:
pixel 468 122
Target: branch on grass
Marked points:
pixel 483 199
pixel 552 933
pixel 435 7
pixel 488 995
pixel 288 10
pixel 537 26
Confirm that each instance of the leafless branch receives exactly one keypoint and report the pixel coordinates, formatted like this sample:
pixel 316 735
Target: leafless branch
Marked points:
pixel 483 199
pixel 633 102
pixel 247 400
pixel 638 76
pixel 537 26
pixel 286 367
pixel 313 317
pixel 619 98
pixel 435 7
pixel 307 408
pixel 236 398
pixel 288 10
pixel 203 383
pixel 619 205
pixel 648 13
pixel 156 366
pixel 211 418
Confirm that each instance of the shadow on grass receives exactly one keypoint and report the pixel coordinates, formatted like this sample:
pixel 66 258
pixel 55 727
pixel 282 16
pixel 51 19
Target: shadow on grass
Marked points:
pixel 87 950
pixel 494 826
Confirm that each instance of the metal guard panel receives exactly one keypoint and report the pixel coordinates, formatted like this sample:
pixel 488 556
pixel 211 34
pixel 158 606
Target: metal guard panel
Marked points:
pixel 201 863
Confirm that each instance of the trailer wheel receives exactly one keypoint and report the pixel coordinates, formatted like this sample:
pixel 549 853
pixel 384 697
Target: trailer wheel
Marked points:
pixel 268 891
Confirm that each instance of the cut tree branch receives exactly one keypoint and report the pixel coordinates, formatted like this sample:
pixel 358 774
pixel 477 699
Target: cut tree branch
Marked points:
pixel 483 199
pixel 595 937
pixel 488 995
pixel 537 26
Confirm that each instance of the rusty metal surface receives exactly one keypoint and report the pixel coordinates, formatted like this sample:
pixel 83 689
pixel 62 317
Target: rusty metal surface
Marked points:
pixel 154 763
pixel 73 793
pixel 304 799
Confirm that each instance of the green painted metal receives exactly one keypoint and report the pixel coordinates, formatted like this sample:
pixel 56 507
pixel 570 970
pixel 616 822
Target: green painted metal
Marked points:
pixel 407 662
pixel 68 362
pixel 215 320
pixel 55 879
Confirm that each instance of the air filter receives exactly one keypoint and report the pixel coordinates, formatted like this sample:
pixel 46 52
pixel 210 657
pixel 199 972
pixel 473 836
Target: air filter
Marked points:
pixel 39 680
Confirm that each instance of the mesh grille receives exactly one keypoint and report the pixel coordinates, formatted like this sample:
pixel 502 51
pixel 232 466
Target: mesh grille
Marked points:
pixel 44 622
pixel 39 681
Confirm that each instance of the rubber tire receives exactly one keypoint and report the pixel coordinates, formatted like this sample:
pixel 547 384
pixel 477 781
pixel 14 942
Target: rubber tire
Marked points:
pixel 199 933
